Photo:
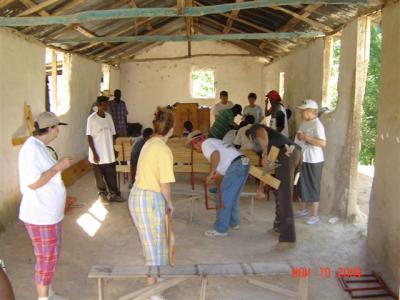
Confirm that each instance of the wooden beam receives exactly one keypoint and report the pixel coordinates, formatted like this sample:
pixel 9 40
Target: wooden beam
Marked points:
pixel 182 38
pixel 314 24
pixel 307 11
pixel 54 78
pixel 229 22
pixel 4 3
pixel 188 57
pixel 99 15
pixel 37 7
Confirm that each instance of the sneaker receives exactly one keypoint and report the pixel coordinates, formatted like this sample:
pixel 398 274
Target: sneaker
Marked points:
pixel 214 233
pixel 103 197
pixel 237 227
pixel 117 198
pixel 301 213
pixel 313 220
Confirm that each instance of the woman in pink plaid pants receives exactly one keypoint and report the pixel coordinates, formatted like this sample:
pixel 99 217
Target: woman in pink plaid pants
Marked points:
pixel 43 199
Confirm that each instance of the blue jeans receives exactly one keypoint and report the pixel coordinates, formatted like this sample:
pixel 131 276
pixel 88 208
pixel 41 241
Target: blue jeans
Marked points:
pixel 231 187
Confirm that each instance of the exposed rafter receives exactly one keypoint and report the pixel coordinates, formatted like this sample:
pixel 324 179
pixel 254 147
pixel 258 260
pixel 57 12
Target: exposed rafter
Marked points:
pixel 88 16
pixel 312 23
pixel 306 12
pixel 37 7
pixel 184 38
pixel 229 22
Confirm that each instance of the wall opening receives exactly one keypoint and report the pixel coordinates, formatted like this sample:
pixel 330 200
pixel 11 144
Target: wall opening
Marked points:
pixel 368 122
pixel 57 98
pixel 332 92
pixel 202 84
pixel 282 84
pixel 105 78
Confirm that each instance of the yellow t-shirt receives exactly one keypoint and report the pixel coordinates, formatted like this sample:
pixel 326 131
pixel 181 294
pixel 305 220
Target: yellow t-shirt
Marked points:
pixel 155 166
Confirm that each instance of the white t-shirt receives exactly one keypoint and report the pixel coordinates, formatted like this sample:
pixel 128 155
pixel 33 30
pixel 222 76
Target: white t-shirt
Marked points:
pixel 255 111
pixel 242 140
pixel 229 137
pixel 45 205
pixel 227 153
pixel 102 131
pixel 217 108
pixel 314 129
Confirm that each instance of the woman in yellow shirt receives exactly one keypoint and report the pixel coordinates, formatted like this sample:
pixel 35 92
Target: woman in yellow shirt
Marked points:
pixel 150 197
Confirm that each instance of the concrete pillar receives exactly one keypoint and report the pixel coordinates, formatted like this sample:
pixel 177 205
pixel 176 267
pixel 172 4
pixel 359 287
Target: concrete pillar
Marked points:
pixel 343 125
pixel 384 216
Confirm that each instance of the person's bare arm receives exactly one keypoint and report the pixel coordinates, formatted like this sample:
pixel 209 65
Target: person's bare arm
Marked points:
pixel 93 149
pixel 166 192
pixel 46 176
pixel 311 140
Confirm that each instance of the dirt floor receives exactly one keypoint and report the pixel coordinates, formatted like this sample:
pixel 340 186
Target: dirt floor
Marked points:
pixel 114 241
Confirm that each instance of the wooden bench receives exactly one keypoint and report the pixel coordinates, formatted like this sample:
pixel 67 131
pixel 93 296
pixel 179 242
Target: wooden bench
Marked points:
pixel 180 273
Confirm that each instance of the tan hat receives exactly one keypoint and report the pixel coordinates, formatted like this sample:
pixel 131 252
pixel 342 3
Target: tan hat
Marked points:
pixel 47 119
pixel 192 136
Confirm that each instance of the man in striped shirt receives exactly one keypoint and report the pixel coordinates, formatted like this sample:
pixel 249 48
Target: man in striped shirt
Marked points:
pixel 224 122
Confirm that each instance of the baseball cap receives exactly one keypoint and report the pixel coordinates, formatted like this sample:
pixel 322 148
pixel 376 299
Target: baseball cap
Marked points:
pixel 48 119
pixel 273 95
pixel 195 134
pixel 308 104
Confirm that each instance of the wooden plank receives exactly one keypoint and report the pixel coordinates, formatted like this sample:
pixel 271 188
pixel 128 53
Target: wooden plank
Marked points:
pixel 16 141
pixel 203 288
pixel 314 24
pixel 307 11
pixel 272 287
pixel 151 290
pixel 229 22
pixel 267 179
pixel 29 119
pixel 37 8
pixel 202 37
pixel 4 3
pixel 76 171
pixel 193 270
pixel 303 288
pixel 99 15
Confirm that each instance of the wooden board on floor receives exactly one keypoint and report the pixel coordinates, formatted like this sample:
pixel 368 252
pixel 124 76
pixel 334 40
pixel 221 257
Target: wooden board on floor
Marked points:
pixel 76 171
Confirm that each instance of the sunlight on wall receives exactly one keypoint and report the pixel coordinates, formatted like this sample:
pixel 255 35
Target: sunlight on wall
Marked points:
pixel 91 221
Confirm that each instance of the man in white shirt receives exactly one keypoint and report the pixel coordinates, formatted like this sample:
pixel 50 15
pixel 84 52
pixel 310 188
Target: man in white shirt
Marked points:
pixel 100 131
pixel 223 104
pixel 43 199
pixel 253 110
pixel 227 162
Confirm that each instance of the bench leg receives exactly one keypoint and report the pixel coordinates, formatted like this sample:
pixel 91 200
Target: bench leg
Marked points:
pixel 100 288
pixel 252 209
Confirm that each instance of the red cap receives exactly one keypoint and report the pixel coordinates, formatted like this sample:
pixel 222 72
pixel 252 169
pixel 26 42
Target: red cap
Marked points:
pixel 273 95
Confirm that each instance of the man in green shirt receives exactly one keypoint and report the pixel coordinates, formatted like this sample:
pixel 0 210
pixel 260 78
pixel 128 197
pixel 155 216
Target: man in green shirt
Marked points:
pixel 224 122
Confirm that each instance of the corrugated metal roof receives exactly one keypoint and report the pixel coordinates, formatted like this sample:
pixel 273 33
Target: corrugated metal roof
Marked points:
pixel 300 17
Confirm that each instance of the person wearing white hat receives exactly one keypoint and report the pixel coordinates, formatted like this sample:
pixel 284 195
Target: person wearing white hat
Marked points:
pixel 311 137
pixel 43 199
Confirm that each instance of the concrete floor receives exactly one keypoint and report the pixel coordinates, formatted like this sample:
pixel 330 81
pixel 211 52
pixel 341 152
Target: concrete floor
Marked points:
pixel 116 242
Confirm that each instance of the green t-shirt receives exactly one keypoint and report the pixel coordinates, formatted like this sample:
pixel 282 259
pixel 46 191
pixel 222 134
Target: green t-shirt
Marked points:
pixel 222 124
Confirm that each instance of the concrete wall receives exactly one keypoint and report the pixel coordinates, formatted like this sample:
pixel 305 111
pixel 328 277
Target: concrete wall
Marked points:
pixel 22 72
pixel 147 85
pixel 303 78
pixel 384 221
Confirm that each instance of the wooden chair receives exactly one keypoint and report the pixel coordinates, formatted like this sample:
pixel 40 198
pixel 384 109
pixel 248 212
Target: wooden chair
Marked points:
pixel 123 147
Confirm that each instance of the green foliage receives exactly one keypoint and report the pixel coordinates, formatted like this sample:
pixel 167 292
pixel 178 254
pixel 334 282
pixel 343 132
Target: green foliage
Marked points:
pixel 334 76
pixel 203 84
pixel 370 104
